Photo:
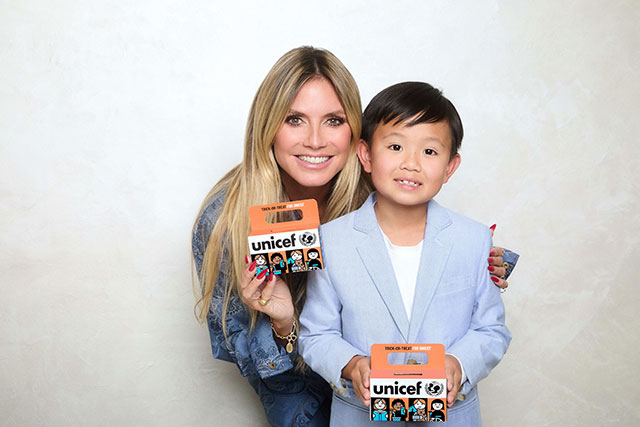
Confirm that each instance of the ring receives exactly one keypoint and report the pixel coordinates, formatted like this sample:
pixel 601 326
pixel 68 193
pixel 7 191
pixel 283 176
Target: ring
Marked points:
pixel 263 301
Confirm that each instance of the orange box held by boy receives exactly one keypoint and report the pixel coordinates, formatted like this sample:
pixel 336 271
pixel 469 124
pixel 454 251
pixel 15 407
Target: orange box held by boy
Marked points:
pixel 284 237
pixel 415 389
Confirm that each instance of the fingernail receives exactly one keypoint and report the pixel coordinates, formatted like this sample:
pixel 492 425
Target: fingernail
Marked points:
pixel 271 277
pixel 246 259
pixel 262 273
pixel 495 279
pixel 252 266
pixel 491 268
pixel 490 260
pixel 493 227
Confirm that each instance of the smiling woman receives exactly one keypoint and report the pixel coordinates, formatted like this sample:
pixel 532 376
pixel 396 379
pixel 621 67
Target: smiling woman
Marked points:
pixel 302 133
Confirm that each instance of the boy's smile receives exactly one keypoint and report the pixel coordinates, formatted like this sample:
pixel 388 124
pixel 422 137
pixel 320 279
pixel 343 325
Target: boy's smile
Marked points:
pixel 409 164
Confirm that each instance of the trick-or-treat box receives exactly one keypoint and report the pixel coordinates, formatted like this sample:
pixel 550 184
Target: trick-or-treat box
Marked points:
pixel 284 237
pixel 408 382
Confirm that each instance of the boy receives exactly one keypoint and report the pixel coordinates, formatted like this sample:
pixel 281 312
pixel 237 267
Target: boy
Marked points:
pixel 403 269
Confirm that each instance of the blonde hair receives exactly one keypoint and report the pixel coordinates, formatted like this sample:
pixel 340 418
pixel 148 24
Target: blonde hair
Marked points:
pixel 256 181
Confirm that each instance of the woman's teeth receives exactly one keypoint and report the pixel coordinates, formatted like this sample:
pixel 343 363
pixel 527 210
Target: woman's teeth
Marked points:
pixel 405 182
pixel 314 159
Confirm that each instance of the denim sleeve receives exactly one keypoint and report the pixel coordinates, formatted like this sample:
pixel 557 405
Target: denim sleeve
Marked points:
pixel 255 352
pixel 510 260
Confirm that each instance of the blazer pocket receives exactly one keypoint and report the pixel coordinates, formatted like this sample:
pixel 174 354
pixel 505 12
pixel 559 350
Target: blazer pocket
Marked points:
pixel 452 285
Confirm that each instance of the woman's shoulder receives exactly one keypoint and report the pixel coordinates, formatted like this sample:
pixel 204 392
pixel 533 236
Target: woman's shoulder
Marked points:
pixel 209 214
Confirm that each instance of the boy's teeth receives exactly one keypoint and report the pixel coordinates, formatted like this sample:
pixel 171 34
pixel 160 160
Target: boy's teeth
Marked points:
pixel 314 159
pixel 405 182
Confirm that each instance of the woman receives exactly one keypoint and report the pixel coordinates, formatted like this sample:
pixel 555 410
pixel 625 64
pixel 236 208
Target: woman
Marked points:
pixel 301 135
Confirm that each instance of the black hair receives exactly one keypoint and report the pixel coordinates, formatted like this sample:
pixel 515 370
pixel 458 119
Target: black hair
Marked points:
pixel 313 250
pixel 273 255
pixel 412 103
pixel 434 401
pixel 396 401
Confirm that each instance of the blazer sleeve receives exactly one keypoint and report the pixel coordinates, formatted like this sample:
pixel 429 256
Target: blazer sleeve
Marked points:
pixel 321 343
pixel 487 339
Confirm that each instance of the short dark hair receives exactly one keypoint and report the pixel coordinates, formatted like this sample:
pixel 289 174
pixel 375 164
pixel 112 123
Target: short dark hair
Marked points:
pixel 412 103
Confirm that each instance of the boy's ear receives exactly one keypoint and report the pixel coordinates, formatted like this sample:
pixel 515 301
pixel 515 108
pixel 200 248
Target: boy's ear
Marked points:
pixel 364 154
pixel 453 165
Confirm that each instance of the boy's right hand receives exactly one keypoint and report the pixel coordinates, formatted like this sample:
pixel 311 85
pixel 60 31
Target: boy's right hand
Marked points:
pixel 358 370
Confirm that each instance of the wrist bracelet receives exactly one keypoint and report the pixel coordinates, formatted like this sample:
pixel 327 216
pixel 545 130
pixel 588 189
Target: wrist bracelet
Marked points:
pixel 291 338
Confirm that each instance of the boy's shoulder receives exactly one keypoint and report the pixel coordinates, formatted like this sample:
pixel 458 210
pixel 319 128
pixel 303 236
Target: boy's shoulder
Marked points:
pixel 463 228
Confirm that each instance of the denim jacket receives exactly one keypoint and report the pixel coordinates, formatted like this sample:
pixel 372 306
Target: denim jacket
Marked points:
pixel 290 398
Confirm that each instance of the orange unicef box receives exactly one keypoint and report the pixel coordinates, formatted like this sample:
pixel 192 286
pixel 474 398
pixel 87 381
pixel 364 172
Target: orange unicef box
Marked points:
pixel 415 390
pixel 291 246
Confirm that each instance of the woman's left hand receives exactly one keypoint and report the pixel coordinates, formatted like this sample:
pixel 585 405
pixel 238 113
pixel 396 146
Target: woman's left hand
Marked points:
pixel 496 265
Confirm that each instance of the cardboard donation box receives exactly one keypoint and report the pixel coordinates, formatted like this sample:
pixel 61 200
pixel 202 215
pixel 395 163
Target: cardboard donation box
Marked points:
pixel 412 391
pixel 290 246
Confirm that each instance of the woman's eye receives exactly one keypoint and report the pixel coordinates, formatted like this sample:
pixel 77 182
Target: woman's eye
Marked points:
pixel 429 152
pixel 335 121
pixel 395 147
pixel 293 120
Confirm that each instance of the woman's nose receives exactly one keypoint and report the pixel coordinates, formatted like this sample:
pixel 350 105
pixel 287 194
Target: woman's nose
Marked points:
pixel 315 138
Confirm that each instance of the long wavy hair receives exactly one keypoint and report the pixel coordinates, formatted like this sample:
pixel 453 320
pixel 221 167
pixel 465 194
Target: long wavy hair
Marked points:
pixel 257 181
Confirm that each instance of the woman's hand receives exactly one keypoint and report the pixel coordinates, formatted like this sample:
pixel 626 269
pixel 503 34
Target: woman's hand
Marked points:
pixel 496 266
pixel 273 290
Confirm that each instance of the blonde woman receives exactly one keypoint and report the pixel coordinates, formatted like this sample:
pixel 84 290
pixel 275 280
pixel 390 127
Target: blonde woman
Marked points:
pixel 301 135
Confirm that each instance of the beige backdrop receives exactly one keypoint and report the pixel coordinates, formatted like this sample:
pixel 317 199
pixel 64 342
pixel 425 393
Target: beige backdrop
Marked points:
pixel 117 117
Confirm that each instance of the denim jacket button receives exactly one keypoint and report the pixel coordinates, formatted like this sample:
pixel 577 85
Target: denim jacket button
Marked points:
pixel 342 392
pixel 272 365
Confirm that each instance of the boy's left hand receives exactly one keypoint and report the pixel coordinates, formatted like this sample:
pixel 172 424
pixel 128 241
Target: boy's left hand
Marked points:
pixel 454 375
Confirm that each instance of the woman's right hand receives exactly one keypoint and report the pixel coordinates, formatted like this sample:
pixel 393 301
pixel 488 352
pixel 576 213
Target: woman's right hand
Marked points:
pixel 272 289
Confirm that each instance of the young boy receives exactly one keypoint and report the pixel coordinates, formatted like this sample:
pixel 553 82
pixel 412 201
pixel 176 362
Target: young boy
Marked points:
pixel 403 269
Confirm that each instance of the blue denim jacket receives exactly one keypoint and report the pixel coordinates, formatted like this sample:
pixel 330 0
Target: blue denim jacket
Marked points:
pixel 290 398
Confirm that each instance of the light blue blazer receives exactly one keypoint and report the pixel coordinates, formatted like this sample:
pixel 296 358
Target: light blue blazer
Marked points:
pixel 355 302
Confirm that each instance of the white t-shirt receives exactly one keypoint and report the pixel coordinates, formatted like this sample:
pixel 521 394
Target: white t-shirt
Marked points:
pixel 406 263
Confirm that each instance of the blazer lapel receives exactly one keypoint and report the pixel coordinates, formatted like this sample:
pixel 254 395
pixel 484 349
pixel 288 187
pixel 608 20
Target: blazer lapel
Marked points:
pixel 433 260
pixel 373 252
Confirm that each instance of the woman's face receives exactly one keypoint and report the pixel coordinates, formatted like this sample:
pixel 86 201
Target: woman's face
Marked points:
pixel 312 145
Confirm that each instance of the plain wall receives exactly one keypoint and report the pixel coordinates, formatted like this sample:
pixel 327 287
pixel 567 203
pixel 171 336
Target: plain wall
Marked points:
pixel 117 117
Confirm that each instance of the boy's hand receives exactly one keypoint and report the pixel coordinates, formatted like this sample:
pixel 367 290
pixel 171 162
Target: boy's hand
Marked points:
pixel 454 375
pixel 358 370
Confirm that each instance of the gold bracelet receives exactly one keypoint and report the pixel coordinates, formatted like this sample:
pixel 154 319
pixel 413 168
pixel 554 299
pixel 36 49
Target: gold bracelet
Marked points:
pixel 291 338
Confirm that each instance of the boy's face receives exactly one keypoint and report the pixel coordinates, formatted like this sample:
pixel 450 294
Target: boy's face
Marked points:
pixel 408 165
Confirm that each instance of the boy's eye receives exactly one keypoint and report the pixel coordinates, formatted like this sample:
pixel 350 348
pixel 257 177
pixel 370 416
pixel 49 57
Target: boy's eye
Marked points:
pixel 429 152
pixel 293 120
pixel 395 147
pixel 335 121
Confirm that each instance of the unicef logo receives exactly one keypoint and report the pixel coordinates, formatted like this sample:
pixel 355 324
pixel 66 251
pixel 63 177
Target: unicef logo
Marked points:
pixel 307 238
pixel 434 388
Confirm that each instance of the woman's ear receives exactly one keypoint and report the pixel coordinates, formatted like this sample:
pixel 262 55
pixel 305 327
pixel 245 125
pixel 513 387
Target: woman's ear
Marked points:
pixel 364 154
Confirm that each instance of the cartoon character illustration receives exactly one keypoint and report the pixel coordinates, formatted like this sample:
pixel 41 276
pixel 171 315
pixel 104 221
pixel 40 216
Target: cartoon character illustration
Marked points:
pixel 380 412
pixel 261 263
pixel 399 411
pixel 436 413
pixel 313 262
pixel 417 410
pixel 295 261
pixel 277 264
